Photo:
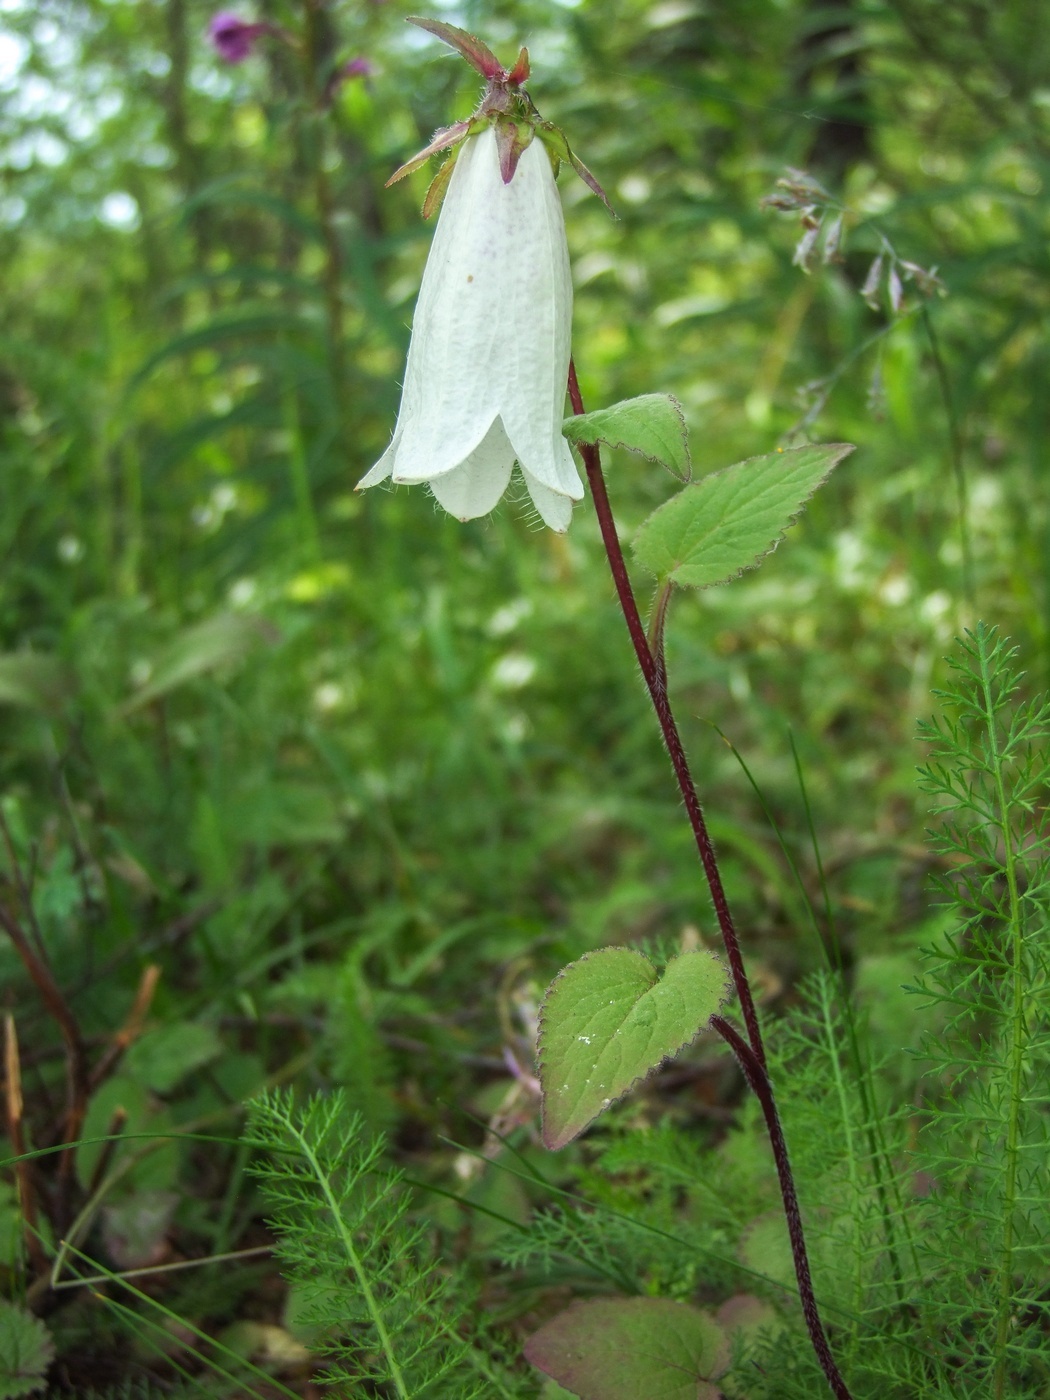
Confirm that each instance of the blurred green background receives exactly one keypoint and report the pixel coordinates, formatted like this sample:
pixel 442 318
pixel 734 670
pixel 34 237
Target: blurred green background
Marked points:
pixel 359 778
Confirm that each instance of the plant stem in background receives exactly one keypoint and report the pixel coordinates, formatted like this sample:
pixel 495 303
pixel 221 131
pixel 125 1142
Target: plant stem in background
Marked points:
pixel 751 1056
pixel 24 1169
pixel 955 450
pixel 316 141
pixel 299 472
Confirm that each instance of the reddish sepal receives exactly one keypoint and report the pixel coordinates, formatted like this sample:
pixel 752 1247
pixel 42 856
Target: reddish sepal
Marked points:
pixel 477 54
pixel 511 139
pixel 447 136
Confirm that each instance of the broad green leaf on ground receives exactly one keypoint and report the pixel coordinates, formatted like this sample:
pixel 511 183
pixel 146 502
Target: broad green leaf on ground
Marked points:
pixel 156 1169
pixel 165 1056
pixel 716 528
pixel 26 1351
pixel 217 642
pixel 765 1248
pixel 632 1349
pixel 553 1391
pixel 33 680
pixel 652 425
pixel 135 1225
pixel 748 1319
pixel 610 1018
pixel 266 1343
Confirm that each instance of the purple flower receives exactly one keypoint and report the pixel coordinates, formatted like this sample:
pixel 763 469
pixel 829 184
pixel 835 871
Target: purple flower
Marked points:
pixel 357 68
pixel 352 68
pixel 234 38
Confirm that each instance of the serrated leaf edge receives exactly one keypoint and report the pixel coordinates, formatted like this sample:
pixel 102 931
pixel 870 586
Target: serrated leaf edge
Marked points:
pixel 33 1375
pixel 847 448
pixel 665 1059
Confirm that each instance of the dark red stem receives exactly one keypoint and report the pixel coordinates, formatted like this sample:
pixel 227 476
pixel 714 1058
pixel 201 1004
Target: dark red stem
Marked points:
pixel 655 684
pixel 751 1056
pixel 758 1079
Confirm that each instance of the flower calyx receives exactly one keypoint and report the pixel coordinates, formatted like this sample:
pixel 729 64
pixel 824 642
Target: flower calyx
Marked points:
pixel 504 105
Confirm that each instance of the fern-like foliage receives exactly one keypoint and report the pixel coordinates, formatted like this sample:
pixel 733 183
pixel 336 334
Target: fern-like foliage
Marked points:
pixel 986 1142
pixel 849 1150
pixel 930 1236
pixel 380 1308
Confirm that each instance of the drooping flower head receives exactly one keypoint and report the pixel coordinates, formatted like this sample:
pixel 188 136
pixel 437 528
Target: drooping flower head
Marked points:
pixel 489 357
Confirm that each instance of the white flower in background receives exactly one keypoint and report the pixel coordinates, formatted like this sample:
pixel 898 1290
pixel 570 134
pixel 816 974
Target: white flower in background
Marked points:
pixel 488 361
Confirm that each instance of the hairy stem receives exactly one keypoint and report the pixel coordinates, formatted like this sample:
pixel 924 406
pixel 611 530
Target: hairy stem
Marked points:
pixel 657 626
pixel 750 1055
pixel 653 674
pixel 758 1079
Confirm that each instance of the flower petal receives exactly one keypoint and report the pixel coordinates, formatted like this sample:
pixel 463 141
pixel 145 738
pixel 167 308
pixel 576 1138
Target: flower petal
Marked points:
pixel 536 309
pixel 555 508
pixel 555 467
pixel 475 487
pixel 383 467
pixel 449 402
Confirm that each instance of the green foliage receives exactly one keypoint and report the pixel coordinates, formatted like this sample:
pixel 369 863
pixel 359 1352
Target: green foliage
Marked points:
pixel 371 1293
pixel 26 1352
pixel 359 787
pixel 985 1146
pixel 652 425
pixel 163 1059
pixel 632 1349
pixel 217 643
pixel 610 1019
pixel 717 527
pixel 928 1251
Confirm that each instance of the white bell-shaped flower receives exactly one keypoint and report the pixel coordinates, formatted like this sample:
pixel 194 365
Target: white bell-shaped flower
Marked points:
pixel 488 361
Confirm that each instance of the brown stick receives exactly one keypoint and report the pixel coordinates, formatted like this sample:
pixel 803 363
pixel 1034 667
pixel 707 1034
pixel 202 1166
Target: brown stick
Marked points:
pixel 131 1029
pixel 23 1170
pixel 117 1123
pixel 77 1081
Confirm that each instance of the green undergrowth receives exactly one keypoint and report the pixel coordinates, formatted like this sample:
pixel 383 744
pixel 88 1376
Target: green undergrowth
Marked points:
pixel 914 1102
pixel 917 1130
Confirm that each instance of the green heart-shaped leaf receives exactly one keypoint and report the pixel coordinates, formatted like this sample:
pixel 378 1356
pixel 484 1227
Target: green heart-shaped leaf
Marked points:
pixel 607 1020
pixel 632 1349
